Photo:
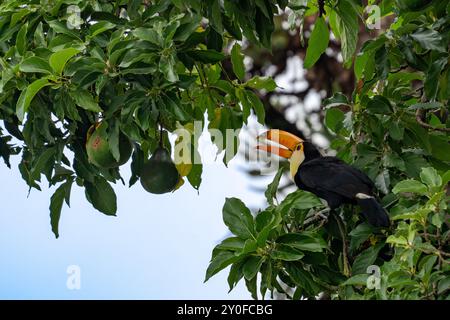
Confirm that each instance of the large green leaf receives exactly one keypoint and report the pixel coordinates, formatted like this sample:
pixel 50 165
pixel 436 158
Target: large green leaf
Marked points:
pixel 84 99
pixel 222 260
pixel 410 185
pixel 430 177
pixel 305 241
pixel 35 64
pixel 286 253
pixel 58 60
pixel 272 188
pixel 27 96
pixel 206 56
pixel 347 24
pixel 252 266
pixel 318 42
pixel 365 259
pixel 257 106
pixel 262 83
pixel 102 196
pixel 237 60
pixel 334 119
pixel 56 203
pixel 238 218
pixel 430 39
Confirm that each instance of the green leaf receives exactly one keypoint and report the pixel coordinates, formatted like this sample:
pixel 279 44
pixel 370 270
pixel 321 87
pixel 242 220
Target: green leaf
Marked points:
pixel 174 106
pixel 18 16
pixel 272 188
pixel 167 66
pixel 336 100
pixel 100 27
pixel 432 77
pixel 232 244
pixel 334 119
pixel 59 59
pixel 252 287
pixel 257 105
pixel 252 266
pixel 298 200
pixel 21 39
pixel 305 241
pixel 347 24
pixel 302 278
pixel 149 35
pixel 206 56
pixel 27 96
pixel 35 64
pixel 235 274
pixel 410 185
pixel 264 29
pixel 357 280
pixel 379 105
pixel 102 196
pixel 444 285
pixel 56 203
pixel 359 234
pixel 399 241
pixel 216 16
pixel 446 177
pixel 262 83
pixel 286 253
pixel 45 160
pixel 318 42
pixel 237 60
pixel 241 94
pixel 430 39
pixel 195 176
pixel 440 147
pixel 222 260
pixel 396 131
pixel 365 259
pixel 360 64
pixel 238 219
pixel 430 177
pixel 266 221
pixel 85 100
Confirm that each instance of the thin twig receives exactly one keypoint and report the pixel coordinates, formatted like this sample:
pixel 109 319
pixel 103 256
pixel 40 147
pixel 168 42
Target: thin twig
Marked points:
pixel 341 226
pixel 420 115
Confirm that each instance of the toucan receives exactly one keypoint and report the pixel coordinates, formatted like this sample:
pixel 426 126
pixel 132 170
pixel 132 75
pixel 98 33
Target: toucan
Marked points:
pixel 327 177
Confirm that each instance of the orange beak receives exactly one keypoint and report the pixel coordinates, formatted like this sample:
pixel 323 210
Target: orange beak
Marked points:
pixel 284 138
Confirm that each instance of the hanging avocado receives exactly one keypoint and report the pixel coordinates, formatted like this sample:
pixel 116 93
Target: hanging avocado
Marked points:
pixel 159 175
pixel 99 152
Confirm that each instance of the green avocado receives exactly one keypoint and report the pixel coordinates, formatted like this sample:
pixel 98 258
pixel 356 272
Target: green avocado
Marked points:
pixel 99 153
pixel 159 175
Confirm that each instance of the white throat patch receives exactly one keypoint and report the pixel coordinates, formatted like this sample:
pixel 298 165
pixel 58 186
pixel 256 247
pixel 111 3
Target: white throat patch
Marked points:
pixel 298 156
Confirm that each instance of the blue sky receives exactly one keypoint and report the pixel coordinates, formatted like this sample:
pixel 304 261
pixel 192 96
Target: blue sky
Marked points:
pixel 158 246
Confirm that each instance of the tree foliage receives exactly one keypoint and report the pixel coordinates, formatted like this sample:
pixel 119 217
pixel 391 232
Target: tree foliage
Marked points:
pixel 146 68
pixel 136 67
pixel 394 127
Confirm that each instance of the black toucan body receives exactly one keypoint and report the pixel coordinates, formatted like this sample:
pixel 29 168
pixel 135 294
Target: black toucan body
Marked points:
pixel 328 178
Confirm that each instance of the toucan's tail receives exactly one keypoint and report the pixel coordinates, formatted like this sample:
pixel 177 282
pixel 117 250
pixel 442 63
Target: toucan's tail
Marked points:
pixel 373 211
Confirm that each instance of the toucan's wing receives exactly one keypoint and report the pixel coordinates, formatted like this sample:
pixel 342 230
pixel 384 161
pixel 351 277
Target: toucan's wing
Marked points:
pixel 329 174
